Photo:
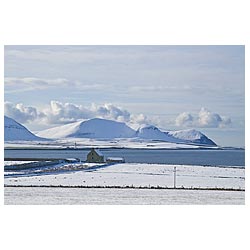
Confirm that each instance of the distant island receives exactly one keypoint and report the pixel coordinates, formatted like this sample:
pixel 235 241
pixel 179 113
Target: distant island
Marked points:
pixel 103 129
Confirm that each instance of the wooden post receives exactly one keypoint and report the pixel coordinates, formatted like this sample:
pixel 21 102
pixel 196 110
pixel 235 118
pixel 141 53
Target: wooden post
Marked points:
pixel 174 177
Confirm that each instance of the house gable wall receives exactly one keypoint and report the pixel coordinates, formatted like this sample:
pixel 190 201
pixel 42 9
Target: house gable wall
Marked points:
pixel 94 157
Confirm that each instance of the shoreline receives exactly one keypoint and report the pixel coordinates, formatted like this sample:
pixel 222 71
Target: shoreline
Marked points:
pixel 87 148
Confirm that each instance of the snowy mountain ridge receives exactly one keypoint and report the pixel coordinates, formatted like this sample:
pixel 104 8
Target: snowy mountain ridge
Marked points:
pixel 153 133
pixel 98 128
pixel 107 129
pixel 191 136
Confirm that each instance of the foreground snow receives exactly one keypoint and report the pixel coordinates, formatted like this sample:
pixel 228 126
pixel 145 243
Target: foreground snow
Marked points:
pixel 18 190
pixel 130 174
pixel 98 196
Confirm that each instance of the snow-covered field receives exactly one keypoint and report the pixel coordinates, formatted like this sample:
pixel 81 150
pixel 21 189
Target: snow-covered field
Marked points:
pixel 107 196
pixel 128 174
pixel 123 175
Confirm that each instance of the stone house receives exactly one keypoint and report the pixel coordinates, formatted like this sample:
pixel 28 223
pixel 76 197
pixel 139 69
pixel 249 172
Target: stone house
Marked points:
pixel 95 156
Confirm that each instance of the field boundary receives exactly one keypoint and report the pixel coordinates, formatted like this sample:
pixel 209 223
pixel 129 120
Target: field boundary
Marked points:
pixel 129 187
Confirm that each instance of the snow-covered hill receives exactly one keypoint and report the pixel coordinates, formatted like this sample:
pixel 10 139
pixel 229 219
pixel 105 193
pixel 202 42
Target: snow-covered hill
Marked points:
pixel 183 136
pixel 106 129
pixel 153 133
pixel 14 131
pixel 191 136
pixel 93 128
pixel 103 129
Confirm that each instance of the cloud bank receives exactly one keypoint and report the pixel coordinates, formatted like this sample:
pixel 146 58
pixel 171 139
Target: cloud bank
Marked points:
pixel 57 113
pixel 22 113
pixel 16 84
pixel 204 119
pixel 63 113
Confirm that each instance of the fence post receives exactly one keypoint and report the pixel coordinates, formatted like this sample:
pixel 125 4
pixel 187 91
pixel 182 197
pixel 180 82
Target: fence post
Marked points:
pixel 174 177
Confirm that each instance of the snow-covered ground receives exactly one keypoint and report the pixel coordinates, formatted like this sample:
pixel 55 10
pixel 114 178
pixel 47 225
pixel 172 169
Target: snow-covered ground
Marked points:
pixel 109 196
pixel 132 174
pixel 15 163
pixel 123 175
pixel 98 143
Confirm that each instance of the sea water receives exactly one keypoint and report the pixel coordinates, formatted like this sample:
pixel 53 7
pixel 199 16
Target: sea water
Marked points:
pixel 206 157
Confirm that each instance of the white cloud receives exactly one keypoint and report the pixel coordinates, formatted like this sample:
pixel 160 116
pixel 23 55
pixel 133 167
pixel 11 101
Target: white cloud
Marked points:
pixel 63 113
pixel 110 111
pixel 204 119
pixel 16 84
pixel 22 84
pixel 21 113
pixel 33 81
pixel 212 120
pixel 139 119
pixel 184 119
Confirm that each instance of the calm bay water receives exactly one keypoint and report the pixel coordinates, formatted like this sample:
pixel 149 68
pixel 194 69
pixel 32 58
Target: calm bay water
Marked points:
pixel 162 156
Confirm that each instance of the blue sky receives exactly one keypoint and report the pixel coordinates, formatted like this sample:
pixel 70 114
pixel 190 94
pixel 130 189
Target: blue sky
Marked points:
pixel 172 87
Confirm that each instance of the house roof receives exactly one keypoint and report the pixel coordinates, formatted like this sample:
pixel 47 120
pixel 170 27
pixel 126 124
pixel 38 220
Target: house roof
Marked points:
pixel 98 152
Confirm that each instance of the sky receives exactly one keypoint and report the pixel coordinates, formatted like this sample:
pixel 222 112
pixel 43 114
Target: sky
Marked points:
pixel 171 87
